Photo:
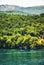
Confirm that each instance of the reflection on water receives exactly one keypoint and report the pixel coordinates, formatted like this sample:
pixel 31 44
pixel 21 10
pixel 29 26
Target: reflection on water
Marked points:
pixel 16 57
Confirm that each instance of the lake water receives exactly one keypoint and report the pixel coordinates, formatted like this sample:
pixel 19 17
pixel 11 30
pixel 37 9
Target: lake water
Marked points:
pixel 20 57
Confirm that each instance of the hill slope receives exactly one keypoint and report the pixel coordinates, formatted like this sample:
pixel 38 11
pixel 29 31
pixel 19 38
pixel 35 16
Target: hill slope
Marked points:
pixel 22 10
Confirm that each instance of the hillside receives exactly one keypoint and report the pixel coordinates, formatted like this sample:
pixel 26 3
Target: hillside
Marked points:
pixel 21 10
pixel 21 31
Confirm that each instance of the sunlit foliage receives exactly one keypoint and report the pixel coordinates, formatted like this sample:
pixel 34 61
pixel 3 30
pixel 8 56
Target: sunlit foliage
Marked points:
pixel 21 31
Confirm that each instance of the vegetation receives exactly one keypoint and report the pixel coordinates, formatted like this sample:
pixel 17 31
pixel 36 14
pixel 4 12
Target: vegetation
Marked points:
pixel 21 31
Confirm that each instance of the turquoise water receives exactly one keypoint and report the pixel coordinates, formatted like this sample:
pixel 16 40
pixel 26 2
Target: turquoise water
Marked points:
pixel 20 57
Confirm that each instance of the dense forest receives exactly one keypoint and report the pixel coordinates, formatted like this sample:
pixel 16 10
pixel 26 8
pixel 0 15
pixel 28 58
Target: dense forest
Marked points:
pixel 21 31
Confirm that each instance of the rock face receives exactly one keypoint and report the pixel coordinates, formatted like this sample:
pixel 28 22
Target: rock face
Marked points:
pixel 22 10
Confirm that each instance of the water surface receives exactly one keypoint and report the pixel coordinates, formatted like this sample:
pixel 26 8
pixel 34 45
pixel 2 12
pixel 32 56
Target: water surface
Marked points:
pixel 21 57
